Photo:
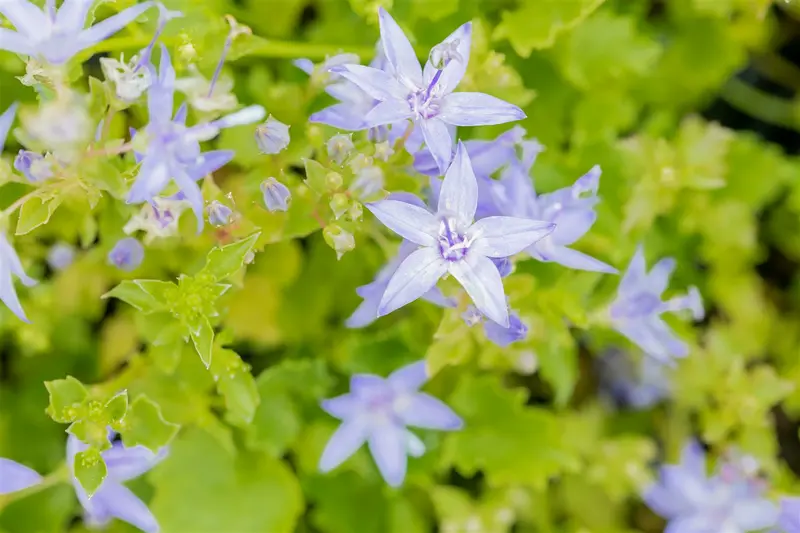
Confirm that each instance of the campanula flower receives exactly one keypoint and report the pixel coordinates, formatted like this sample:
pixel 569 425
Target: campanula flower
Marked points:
pixel 272 136
pixel 789 518
pixel 368 183
pixel 407 92
pixel 56 35
pixel 219 214
pixel 60 256
pixel 694 502
pixel 450 242
pixel 158 219
pixel 172 150
pixel 130 79
pixel 517 330
pixel 637 384
pixel 367 312
pixel 636 312
pixel 377 411
pixel 339 147
pixel 15 477
pixel 113 499
pixel 35 167
pixel 127 254
pixel 276 195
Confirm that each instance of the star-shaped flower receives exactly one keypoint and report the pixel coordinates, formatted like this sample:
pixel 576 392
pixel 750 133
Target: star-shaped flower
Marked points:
pixel 450 242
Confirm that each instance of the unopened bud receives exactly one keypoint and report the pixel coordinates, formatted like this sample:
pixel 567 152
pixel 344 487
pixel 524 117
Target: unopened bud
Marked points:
pixel 276 195
pixel 340 147
pixel 272 136
pixel 340 240
pixel 339 204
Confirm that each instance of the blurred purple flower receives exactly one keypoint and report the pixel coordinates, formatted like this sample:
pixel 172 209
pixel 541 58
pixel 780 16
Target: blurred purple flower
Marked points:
pixel 405 91
pixel 33 166
pixel 60 256
pixel 451 242
pixel 499 335
pixel 219 214
pixel 377 411
pixel 789 518
pixel 636 312
pixel 15 477
pixel 693 502
pixel 630 383
pixel 127 254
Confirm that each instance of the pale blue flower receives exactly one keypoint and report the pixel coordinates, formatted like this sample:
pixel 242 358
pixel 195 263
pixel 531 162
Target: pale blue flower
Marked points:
pixel 33 166
pixel 219 214
pixel 60 256
pixel 377 411
pixel 114 500
pixel 127 254
pixel 272 136
pixel 15 477
pixel 276 195
pixel 56 35
pixel 407 92
pixel 693 502
pixel 638 384
pixel 450 242
pixel 636 312
pixel 789 519
pixel 173 150
pixel 517 330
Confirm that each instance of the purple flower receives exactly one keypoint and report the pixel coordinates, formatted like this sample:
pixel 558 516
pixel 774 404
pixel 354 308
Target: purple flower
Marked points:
pixel 127 254
pixel 367 312
pixel 113 499
pixel 405 91
pixel 11 265
pixel 15 477
pixel 219 214
pixel 789 519
pixel 272 136
pixel 173 150
pixel 33 166
pixel 499 335
pixel 693 502
pixel 637 384
pixel 276 195
pixel 60 256
pixel 451 243
pixel 56 35
pixel 377 411
pixel 636 312
pixel 6 119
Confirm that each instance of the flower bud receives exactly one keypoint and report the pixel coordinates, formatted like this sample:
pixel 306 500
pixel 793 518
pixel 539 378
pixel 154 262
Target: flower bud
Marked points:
pixel 127 254
pixel 340 240
pixel 272 136
pixel 276 195
pixel 368 183
pixel 129 80
pixel 356 211
pixel 219 214
pixel 333 181
pixel 339 204
pixel 340 147
pixel 383 151
pixel 33 166
pixel 60 256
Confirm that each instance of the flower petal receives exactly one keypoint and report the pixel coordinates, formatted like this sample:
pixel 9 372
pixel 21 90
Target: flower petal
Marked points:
pixel 424 411
pixel 571 225
pixel 409 221
pixel 209 162
pixel 14 476
pixel 477 109
pixel 454 71
pixel 343 443
pixel 341 407
pixel 111 25
pixel 161 93
pixel 193 195
pixel 247 115
pixel 545 250
pixel 114 500
pixel 365 314
pixel 438 141
pixel 25 16
pixel 654 337
pixel 387 112
pixel 341 116
pixel 414 277
pixel 376 83
pixel 399 52
pixel 72 14
pixel 16 43
pixel 506 236
pixel 459 192
pixel 126 463
pixel 480 278
pixel 658 277
pixel 388 447
pixel 410 377
pixel 7 118
pixel 635 273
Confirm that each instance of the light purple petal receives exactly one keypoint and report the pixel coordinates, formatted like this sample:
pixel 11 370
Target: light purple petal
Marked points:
pixel 790 515
pixel 571 225
pixel 480 278
pixel 16 43
pixel 161 94
pixel 25 16
pixel 341 116
pixel 111 25
pixel 410 377
pixel 388 112
pixel 388 447
pixel 693 458
pixel 209 162
pixel 755 515
pixel 125 463
pixel 459 193
pixel 424 411
pixel 455 70
pixel 545 250
pixel 343 443
pixel 399 52
pixel 437 140
pixel 8 295
pixel 414 277
pixel 306 65
pixel 12 260
pixel 506 236
pixel 247 115
pixel 376 83
pixel 635 273
pixel 654 337
pixel 72 14
pixel 658 277
pixel 114 500
pixel 14 476
pixel 341 407
pixel 407 220
pixel 365 314
pixel 365 385
pixel 193 195
pixel 6 119
pixel 153 176
pixel 477 109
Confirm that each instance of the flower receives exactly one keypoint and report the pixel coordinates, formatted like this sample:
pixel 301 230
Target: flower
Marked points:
pixel 630 383
pixel 129 79
pixel 11 265
pixel 405 91
pixel 15 477
pixel 789 518
pixel 451 243
pixel 219 214
pixel 172 150
pixel 60 256
pixel 276 195
pixel 127 254
pixel 377 411
pixel 517 330
pixel 368 183
pixel 33 166
pixel 56 35
pixel 112 499
pixel 272 136
pixel 693 502
pixel 158 219
pixel 339 147
pixel 366 313
pixel 636 312
pixel 338 238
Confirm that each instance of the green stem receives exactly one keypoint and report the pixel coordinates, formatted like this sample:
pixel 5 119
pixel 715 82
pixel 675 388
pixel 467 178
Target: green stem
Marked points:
pixel 56 477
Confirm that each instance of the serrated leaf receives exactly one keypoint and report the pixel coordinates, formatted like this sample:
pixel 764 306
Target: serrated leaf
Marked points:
pixel 147 296
pixel 67 397
pixel 90 470
pixel 226 261
pixel 203 339
pixel 116 408
pixel 145 425
pixel 236 384
pixel 36 212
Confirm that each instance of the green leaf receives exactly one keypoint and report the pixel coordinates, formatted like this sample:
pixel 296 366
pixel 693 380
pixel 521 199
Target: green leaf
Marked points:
pixel 203 339
pixel 90 470
pixel 67 397
pixel 236 384
pixel 167 348
pixel 537 23
pixel 116 408
pixel 558 362
pixel 92 432
pixel 226 261
pixel 147 296
pixel 145 425
pixel 36 212
pixel 316 175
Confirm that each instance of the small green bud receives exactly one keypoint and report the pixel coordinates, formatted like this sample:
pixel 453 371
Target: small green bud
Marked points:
pixel 333 181
pixel 340 240
pixel 339 204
